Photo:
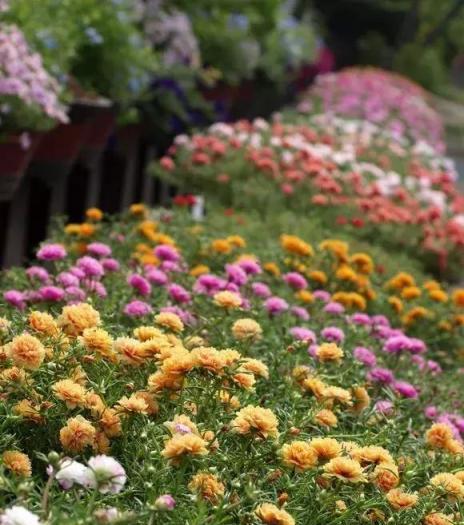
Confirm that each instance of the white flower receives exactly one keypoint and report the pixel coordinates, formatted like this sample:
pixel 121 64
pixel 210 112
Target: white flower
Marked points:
pixel 72 472
pixel 17 515
pixel 108 474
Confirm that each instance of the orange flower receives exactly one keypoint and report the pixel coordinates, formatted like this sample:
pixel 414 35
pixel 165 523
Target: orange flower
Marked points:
pixel 410 292
pixel 199 269
pixel 184 445
pixel 94 214
pixel 246 329
pixel 77 434
pixel 207 486
pixel 438 435
pixel 18 463
pixel 226 299
pixel 97 340
pixel 396 303
pixel 208 358
pixel 138 209
pixel 70 392
pixel 255 366
pixel 74 319
pixel 438 518
pixel 372 454
pixel 400 500
pixel 221 246
pixel 181 424
pixel 145 333
pixel 26 351
pixel 438 295
pixel 344 469
pixel 326 418
pixel 110 422
pixel 130 351
pixel 361 399
pixel 386 476
pixel 169 320
pixel 180 363
pixel 13 375
pixel 255 420
pixel 318 276
pixel 271 268
pixel 304 296
pixel 458 297
pixel 272 515
pixel 26 409
pixel 43 323
pixel 329 352
pixel 295 245
pixel 450 484
pixel 326 448
pixel 299 455
pixel 132 405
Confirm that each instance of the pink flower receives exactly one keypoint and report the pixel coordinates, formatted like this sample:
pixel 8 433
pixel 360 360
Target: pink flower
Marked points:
pixel 67 279
pixel 295 280
pixel 236 274
pixel 364 356
pixel 99 249
pixel 303 334
pixel 108 475
pixel 250 266
pixel 360 319
pixel 90 266
pixel 405 389
pixel 300 312
pixel 275 305
pixel 51 293
pixel 165 252
pixel 140 284
pixel 380 375
pixel 261 290
pixel 178 293
pixel 37 272
pixel 322 295
pixel 15 298
pixel 51 252
pixel 137 309
pixel 165 502
pixel 334 308
pixel 431 412
pixel 110 265
pixel 384 407
pixel 155 276
pixel 333 334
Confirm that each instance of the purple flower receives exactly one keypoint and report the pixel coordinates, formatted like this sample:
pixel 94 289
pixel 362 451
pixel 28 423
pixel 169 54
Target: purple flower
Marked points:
pixel 261 290
pixel 380 375
pixel 166 252
pixel 140 284
pixel 156 277
pixel 333 334
pixel 15 298
pixel 275 305
pixel 384 406
pixel 37 272
pixel 51 293
pixel 405 389
pixel 90 266
pixel 303 334
pixel 178 293
pixel 99 249
pixel 300 312
pixel 137 309
pixel 334 308
pixel 110 265
pixel 236 274
pixel 51 252
pixel 364 356
pixel 295 280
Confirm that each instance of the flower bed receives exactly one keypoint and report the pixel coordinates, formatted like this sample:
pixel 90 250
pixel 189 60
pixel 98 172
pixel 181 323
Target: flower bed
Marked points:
pixel 155 366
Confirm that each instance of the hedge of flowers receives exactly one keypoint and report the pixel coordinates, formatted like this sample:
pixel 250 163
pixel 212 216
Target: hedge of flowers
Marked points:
pixel 152 369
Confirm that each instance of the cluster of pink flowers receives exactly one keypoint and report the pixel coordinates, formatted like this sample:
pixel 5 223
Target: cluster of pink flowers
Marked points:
pixel 23 76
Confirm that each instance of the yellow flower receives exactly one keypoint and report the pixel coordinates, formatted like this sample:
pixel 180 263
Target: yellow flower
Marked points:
pixel 326 448
pixel 271 268
pixel 305 296
pixel 438 435
pixel 130 351
pixel 361 399
pixel 272 515
pixel 345 469
pixel 77 434
pixel 372 455
pixel 386 476
pixel 99 341
pixel 338 248
pixel 329 352
pixel 318 276
pixel 70 392
pixel 169 320
pixel 410 292
pixel 184 445
pixel 227 299
pixel 208 358
pixel 43 323
pixel 221 246
pixel 138 209
pixel 133 404
pixel 299 455
pixel 246 329
pixel 448 483
pixel 26 351
pixel 74 319
pixel 256 420
pixel 326 418
pixel 363 262
pixel 401 280
pixel 458 297
pixel 396 303
pixel 26 409
pixel 295 245
pixel 418 312
pixel 207 486
pixel 438 518
pixel 438 295
pixel 400 500
pixel 199 269
pixel 94 214
pixel 255 366
pixel 236 241
pixel 18 463
pixel 346 273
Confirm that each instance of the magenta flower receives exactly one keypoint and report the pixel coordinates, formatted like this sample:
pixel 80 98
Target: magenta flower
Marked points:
pixel 360 319
pixel 250 266
pixel 208 284
pixel 137 309
pixel 156 277
pixel 431 412
pixel 51 252
pixel 51 293
pixel 303 334
pixel 110 265
pixel 90 266
pixel 300 312
pixel 99 249
pixel 140 284
pixel 334 308
pixel 261 290
pixel 295 280
pixel 75 294
pixel 15 298
pixel 364 356
pixel 321 295
pixel 67 279
pixel 384 406
pixel 380 375
pixel 275 305
pixel 333 334
pixel 405 389
pixel 39 273
pixel 178 293
pixel 166 252
pixel 236 274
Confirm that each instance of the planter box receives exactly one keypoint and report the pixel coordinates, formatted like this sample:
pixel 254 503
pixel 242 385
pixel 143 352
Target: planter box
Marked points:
pixel 14 160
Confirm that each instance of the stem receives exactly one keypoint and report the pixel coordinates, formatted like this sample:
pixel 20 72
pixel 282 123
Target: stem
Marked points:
pixel 46 494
